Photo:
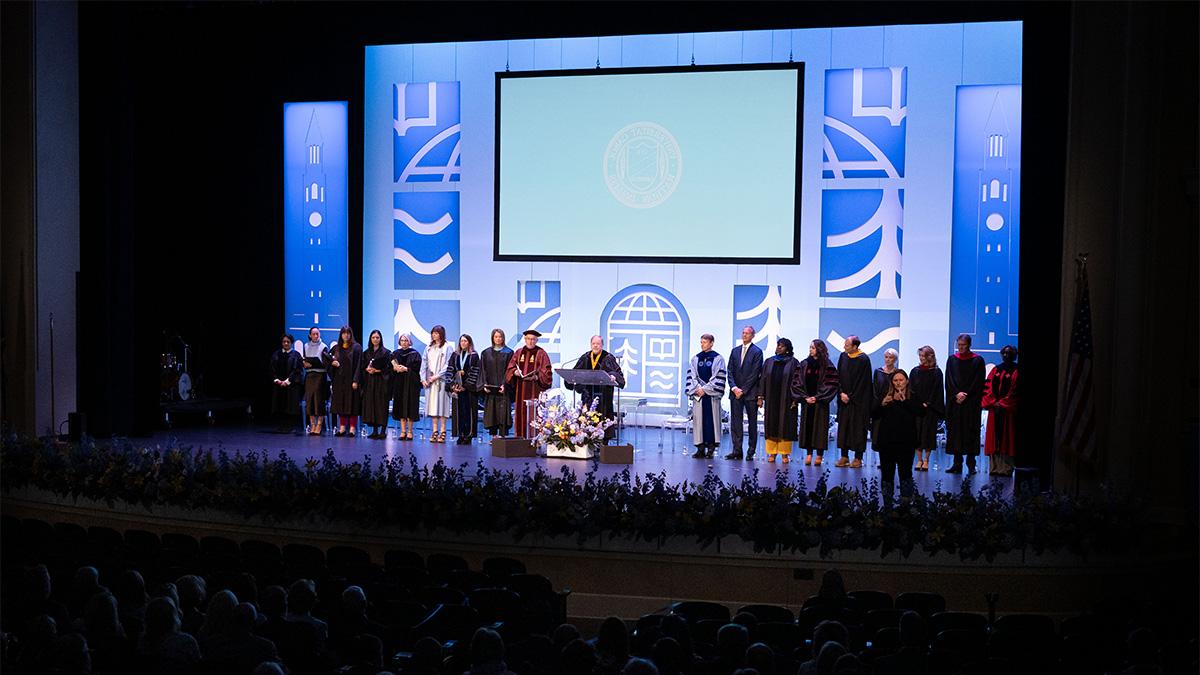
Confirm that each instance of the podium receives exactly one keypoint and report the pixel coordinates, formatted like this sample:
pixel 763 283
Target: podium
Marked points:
pixel 596 380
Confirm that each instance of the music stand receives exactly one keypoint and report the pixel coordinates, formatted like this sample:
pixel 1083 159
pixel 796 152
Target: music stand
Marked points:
pixel 585 377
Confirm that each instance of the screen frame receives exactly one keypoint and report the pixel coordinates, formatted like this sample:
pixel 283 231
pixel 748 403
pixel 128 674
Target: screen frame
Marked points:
pixel 792 258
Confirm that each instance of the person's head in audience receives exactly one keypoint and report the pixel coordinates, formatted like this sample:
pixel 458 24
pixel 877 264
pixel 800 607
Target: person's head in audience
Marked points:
pixel 848 664
pixel 130 590
pixel 577 657
pixel 166 589
pixel 193 591
pixel 268 668
pixel 302 596
pixel 366 650
pixel 220 611
pixel 245 587
pixel 243 619
pixel 828 656
pixel 639 667
pixel 746 671
pixel 487 648
pixel 761 658
pixel 37 583
pixel 354 602
pixel 162 618
pixel 829 631
pixel 101 618
pixel 675 626
pixel 912 631
pixel 563 634
pixel 612 640
pixel 86 583
pixel 745 619
pixel 70 655
pixel 668 656
pixel 427 654
pixel 732 641
pixel 833 587
pixel 273 602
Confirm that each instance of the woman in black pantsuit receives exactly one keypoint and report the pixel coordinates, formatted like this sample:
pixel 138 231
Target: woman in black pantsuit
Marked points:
pixel 898 414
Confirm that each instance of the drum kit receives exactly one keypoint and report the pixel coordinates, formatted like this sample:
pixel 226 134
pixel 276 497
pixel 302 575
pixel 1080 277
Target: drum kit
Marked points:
pixel 175 381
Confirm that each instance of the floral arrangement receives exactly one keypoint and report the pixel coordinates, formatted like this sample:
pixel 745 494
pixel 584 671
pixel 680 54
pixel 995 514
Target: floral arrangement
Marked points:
pixel 567 428
pixel 783 515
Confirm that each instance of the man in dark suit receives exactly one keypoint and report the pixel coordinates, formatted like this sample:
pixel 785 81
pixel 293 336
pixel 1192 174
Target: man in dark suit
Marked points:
pixel 745 369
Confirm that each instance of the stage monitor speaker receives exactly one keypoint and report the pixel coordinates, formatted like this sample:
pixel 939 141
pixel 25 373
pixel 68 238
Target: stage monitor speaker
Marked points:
pixel 76 426
pixel 512 447
pixel 616 454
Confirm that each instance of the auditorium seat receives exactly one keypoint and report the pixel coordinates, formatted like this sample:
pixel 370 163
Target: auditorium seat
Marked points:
pixel 705 631
pixel 219 546
pixel 501 568
pixel 925 604
pixel 695 610
pixel 769 613
pixel 496 604
pixel 142 543
pixel 441 563
pixel 397 558
pixel 439 595
pixel 781 636
pixel 183 545
pixel 448 622
pixel 877 619
pixel 942 621
pixel 468 580
pixel 865 601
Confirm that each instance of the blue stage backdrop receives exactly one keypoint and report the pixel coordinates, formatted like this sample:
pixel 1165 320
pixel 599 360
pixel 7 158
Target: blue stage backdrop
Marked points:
pixel 897 126
pixel 315 170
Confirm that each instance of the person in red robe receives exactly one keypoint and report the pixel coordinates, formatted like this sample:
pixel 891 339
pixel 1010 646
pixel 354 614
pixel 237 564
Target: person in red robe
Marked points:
pixel 528 375
pixel 1000 400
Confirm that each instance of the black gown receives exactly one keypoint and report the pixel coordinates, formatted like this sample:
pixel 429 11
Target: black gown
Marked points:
pixel 963 419
pixel 608 363
pixel 926 386
pixel 779 412
pixel 285 401
pixel 374 387
pixel 315 359
pixel 820 381
pixel 464 405
pixel 345 400
pixel 406 386
pixel 881 381
pixel 854 380
pixel 497 405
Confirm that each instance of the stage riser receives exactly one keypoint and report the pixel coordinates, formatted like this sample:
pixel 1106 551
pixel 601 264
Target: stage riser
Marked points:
pixel 625 578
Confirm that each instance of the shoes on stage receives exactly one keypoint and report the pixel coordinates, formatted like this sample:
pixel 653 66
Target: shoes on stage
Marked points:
pixel 750 456
pixel 842 463
pixel 463 440
pixel 856 464
pixel 699 454
pixel 771 459
pixel 340 432
pixel 734 455
pixel 808 460
pixel 352 432
pixel 787 459
pixel 972 469
pixel 955 468
pixel 817 461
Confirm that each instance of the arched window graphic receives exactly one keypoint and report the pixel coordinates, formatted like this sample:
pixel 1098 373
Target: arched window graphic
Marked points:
pixel 647 328
pixel 994 188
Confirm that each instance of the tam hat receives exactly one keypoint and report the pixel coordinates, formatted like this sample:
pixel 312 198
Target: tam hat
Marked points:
pixel 532 332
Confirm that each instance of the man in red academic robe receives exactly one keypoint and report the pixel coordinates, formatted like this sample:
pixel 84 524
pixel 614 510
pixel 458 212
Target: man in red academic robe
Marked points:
pixel 1000 400
pixel 528 375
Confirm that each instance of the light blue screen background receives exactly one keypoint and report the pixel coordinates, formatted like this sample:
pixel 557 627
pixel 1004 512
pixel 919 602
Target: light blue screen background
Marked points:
pixel 938 59
pixel 555 131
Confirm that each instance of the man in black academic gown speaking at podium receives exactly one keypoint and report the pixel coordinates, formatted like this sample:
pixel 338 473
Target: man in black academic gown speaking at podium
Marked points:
pixel 598 359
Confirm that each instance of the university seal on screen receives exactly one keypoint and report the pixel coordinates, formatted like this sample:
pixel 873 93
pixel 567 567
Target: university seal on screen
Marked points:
pixel 642 165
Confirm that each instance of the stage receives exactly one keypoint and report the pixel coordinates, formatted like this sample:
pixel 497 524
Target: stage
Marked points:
pixel 655 451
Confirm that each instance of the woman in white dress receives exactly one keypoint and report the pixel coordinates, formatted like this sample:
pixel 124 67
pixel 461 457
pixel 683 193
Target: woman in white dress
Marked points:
pixel 437 397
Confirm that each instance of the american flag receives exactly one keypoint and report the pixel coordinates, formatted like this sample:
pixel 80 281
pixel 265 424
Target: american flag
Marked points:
pixel 1077 430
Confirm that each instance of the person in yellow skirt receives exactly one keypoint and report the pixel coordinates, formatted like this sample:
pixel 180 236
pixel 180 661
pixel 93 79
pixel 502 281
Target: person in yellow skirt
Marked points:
pixel 776 400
